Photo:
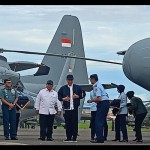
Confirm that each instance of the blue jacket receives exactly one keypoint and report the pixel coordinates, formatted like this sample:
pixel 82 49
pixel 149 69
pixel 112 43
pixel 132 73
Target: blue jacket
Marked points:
pixel 65 91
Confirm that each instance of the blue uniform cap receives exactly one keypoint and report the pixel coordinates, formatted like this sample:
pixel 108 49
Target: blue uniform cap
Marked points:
pixel 70 77
pixel 50 82
pixel 94 76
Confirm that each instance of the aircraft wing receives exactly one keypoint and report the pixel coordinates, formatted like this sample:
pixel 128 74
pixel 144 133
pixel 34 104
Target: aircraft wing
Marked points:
pixel 89 87
pixel 109 86
pixel 22 65
pixel 86 87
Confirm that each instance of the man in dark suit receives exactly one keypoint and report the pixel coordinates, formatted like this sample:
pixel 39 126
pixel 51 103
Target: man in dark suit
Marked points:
pixel 70 94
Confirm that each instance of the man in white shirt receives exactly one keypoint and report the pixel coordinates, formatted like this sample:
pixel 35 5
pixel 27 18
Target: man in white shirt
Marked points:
pixel 45 105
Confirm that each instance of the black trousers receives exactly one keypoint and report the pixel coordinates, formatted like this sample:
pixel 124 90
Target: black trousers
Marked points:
pixel 71 121
pixel 93 127
pixel 138 123
pixel 46 125
pixel 120 125
pixel 117 127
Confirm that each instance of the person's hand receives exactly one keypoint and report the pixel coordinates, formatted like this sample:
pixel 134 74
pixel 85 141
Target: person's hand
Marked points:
pixel 37 111
pixel 59 113
pixel 66 98
pixel 119 110
pixel 110 101
pixel 11 106
pixel 75 96
pixel 89 101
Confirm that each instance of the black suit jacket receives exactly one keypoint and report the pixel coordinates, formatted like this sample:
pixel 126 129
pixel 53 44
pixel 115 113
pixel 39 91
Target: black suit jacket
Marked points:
pixel 65 91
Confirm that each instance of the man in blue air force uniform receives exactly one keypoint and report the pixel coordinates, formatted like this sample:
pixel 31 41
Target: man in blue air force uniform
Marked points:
pixel 9 98
pixel 92 120
pixel 102 100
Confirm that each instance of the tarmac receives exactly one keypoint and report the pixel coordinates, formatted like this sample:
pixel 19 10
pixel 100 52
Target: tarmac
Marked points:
pixel 30 137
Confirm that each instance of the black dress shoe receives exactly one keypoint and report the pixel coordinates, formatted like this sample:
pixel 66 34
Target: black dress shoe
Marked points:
pixel 14 138
pixel 67 140
pixel 95 141
pixel 123 141
pixel 115 140
pixel 42 139
pixel 50 139
pixel 92 139
pixel 6 138
pixel 135 139
pixel 139 141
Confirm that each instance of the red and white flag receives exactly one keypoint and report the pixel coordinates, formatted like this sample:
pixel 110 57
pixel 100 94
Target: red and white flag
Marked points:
pixel 66 42
pixel 70 68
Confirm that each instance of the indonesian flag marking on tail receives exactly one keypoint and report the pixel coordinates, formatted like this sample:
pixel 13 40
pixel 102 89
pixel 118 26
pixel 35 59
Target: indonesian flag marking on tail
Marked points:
pixel 66 42
pixel 70 68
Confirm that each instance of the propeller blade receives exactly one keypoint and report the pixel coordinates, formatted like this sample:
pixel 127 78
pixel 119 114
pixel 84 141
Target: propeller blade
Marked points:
pixel 58 55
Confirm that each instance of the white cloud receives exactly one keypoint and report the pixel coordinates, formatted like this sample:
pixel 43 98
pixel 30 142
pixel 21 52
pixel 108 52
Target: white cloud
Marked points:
pixel 106 29
pixel 28 36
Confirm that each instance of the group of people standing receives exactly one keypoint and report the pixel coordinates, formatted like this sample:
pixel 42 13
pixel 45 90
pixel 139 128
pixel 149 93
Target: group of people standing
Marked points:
pixel 100 104
pixel 70 95
pixel 138 110
pixel 48 103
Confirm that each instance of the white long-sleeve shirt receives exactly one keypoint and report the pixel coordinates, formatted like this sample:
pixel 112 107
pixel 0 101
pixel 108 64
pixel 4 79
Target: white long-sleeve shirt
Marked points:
pixel 123 103
pixel 93 104
pixel 46 102
pixel 71 97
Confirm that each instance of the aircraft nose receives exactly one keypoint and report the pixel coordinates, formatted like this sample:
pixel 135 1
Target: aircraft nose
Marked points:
pixel 136 63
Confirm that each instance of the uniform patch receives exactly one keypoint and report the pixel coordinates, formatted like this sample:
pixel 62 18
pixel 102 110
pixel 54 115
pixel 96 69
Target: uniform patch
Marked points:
pixel 95 89
pixel 12 91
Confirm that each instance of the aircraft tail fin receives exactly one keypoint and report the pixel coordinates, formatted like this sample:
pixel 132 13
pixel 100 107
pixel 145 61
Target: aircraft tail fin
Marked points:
pixel 67 40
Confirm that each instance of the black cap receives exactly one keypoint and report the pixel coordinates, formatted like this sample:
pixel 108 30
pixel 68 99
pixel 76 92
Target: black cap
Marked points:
pixel 130 94
pixel 94 76
pixel 50 82
pixel 7 80
pixel 121 88
pixel 70 77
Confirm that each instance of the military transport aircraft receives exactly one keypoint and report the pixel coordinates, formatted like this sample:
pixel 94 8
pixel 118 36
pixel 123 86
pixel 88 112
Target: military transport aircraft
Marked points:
pixel 66 55
pixel 68 38
pixel 68 43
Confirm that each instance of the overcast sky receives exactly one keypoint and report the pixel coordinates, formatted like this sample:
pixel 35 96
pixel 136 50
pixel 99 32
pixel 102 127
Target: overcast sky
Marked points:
pixel 106 29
